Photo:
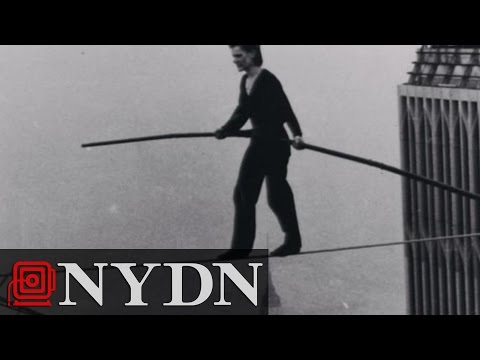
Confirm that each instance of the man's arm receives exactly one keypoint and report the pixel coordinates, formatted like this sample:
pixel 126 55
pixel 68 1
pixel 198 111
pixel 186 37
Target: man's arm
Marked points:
pixel 238 119
pixel 290 117
pixel 236 122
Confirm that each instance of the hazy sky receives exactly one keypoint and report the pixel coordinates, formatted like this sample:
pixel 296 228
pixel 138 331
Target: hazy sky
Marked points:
pixel 53 98
pixel 179 194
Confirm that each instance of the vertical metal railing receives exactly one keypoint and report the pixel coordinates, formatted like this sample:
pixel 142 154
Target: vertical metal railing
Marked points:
pixel 407 203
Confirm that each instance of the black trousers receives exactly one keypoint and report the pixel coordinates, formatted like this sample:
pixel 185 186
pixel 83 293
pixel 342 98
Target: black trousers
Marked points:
pixel 264 160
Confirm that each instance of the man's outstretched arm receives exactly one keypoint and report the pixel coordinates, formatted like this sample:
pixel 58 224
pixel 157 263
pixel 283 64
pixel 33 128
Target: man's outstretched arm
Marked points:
pixel 290 118
pixel 236 122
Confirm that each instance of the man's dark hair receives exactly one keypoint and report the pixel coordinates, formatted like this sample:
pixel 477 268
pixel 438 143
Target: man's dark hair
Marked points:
pixel 258 59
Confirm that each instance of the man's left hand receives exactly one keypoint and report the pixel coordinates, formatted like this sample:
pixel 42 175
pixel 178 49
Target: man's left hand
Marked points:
pixel 298 143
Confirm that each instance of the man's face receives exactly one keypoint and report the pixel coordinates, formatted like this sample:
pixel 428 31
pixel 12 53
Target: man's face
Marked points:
pixel 242 59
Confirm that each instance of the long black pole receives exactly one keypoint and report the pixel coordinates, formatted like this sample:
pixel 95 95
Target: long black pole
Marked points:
pixel 393 170
pixel 337 154
pixel 243 134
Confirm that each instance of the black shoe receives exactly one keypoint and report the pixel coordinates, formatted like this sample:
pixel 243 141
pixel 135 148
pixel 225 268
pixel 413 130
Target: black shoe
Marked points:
pixel 286 250
pixel 271 301
pixel 234 255
pixel 274 301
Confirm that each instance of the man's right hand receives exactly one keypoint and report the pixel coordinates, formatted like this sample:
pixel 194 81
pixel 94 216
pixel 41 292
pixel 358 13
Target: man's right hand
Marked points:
pixel 220 135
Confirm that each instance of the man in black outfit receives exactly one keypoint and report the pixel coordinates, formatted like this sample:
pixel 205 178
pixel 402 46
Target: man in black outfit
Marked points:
pixel 263 101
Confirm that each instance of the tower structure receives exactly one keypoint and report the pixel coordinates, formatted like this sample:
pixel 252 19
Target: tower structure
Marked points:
pixel 440 139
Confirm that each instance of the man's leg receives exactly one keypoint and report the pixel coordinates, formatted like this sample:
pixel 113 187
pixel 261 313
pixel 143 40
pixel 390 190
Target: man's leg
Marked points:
pixel 282 202
pixel 246 196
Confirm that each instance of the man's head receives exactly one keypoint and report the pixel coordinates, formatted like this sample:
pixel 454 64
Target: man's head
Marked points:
pixel 247 56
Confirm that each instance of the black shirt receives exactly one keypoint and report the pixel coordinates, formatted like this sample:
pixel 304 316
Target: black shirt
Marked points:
pixel 267 107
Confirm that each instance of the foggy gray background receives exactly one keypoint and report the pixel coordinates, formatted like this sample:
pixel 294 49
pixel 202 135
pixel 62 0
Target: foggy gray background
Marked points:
pixel 179 194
